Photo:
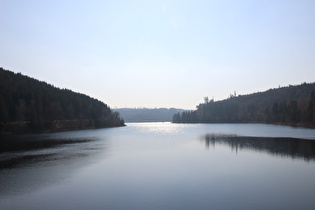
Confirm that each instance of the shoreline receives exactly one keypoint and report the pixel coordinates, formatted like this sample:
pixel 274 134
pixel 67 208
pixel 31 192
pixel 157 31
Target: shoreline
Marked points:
pixel 298 125
pixel 27 127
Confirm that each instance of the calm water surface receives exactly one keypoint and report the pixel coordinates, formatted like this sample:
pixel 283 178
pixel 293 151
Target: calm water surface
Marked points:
pixel 160 166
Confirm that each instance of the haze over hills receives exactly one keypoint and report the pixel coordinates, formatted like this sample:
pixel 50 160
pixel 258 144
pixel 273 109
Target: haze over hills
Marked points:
pixel 148 115
pixel 292 105
pixel 28 105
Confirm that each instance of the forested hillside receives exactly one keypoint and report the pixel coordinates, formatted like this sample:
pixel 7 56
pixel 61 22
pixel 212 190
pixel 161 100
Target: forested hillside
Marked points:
pixel 292 105
pixel 148 115
pixel 29 105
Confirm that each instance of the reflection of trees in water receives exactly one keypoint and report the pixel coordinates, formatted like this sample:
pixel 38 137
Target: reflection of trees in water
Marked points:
pixel 29 163
pixel 284 147
pixel 24 150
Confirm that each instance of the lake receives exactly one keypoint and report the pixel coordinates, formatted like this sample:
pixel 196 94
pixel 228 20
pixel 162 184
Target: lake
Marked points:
pixel 160 166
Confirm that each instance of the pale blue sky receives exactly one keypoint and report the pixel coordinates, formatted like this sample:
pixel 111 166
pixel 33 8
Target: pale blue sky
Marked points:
pixel 160 53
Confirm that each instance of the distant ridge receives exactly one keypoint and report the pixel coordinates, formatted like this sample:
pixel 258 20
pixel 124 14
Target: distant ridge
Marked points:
pixel 292 105
pixel 148 115
pixel 28 105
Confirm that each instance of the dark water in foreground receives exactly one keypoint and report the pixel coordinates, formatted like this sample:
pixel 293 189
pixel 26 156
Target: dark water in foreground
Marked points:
pixel 161 166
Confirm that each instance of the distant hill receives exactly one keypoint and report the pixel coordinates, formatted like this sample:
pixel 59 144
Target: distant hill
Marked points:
pixel 148 115
pixel 292 105
pixel 28 105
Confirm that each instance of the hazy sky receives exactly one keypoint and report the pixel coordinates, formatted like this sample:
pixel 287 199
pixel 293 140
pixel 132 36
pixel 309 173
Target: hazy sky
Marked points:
pixel 160 53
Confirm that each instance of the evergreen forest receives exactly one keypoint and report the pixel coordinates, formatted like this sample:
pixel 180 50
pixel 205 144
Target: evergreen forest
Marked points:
pixel 292 105
pixel 28 105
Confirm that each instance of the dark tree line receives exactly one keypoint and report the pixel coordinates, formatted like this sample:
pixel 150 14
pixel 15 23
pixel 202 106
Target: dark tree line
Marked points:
pixel 293 105
pixel 29 105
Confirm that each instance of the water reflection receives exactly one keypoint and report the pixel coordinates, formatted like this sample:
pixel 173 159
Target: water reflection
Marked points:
pixel 284 147
pixel 33 161
pixel 160 128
